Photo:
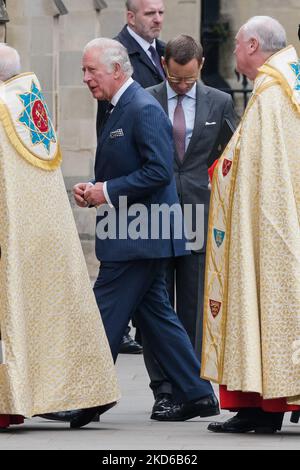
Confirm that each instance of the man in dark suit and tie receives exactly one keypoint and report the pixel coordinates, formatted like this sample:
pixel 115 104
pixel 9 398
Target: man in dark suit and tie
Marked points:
pixel 134 173
pixel 198 114
pixel 140 37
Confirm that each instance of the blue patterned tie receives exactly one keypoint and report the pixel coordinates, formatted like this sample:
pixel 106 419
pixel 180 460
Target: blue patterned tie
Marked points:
pixel 156 60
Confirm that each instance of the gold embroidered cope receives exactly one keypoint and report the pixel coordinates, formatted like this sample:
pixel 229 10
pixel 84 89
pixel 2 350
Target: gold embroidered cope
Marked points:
pixel 252 291
pixel 56 352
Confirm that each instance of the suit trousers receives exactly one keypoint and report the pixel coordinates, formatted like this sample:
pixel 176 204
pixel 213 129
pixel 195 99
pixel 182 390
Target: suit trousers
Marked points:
pixel 185 284
pixel 139 287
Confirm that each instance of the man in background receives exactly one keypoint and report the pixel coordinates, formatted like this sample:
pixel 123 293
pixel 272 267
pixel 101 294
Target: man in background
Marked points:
pixel 198 114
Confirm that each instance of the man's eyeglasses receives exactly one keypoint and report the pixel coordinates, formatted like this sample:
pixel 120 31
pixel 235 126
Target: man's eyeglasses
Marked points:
pixel 177 80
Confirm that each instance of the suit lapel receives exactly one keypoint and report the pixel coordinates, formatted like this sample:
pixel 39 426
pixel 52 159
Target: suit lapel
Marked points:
pixel 110 123
pixel 133 48
pixel 147 61
pixel 160 47
pixel 162 96
pixel 202 112
pixel 117 113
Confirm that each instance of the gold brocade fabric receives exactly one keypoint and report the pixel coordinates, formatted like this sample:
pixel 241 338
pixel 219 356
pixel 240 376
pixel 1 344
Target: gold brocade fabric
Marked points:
pixel 252 293
pixel 56 354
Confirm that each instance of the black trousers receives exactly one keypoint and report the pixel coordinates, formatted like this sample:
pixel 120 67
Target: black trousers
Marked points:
pixel 185 283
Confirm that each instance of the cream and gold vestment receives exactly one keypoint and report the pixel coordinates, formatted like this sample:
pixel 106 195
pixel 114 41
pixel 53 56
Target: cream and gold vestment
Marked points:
pixel 252 293
pixel 55 352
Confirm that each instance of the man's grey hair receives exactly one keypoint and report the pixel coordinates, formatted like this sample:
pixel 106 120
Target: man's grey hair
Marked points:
pixel 131 5
pixel 10 64
pixel 111 52
pixel 269 32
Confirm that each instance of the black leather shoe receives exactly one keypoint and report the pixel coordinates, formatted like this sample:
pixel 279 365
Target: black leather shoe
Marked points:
pixel 206 406
pixel 162 402
pixel 102 409
pixel 295 416
pixel 73 416
pixel 83 417
pixel 130 346
pixel 241 425
pixel 63 416
pixel 87 415
pixel 96 418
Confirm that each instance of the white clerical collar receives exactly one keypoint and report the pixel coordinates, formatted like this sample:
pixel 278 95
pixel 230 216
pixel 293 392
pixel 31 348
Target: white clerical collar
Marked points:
pixel 117 96
pixel 142 42
pixel 172 94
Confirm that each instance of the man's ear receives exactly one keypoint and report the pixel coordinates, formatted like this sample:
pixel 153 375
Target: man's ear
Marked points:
pixel 202 63
pixel 117 70
pixel 253 45
pixel 130 18
pixel 163 61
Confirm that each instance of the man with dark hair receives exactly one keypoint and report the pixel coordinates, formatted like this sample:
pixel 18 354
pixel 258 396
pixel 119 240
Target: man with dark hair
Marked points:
pixel 198 114
pixel 140 37
pixel 182 50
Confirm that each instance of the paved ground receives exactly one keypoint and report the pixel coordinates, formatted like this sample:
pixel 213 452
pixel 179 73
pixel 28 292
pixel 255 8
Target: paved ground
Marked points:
pixel 128 426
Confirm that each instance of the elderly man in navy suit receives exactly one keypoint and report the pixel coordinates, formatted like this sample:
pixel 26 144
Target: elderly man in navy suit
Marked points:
pixel 140 37
pixel 134 168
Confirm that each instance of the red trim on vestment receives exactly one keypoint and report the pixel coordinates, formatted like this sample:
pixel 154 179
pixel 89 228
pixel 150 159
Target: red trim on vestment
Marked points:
pixel 233 401
pixel 212 169
pixel 7 420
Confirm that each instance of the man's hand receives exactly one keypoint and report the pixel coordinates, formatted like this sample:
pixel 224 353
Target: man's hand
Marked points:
pixel 94 195
pixel 78 193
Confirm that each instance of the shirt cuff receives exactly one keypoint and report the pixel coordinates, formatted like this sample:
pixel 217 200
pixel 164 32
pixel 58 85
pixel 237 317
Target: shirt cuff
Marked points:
pixel 107 195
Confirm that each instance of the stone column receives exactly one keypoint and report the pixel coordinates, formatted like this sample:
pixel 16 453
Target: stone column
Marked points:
pixel 182 17
pixel 2 32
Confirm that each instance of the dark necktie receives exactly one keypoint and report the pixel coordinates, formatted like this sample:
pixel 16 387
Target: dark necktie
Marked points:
pixel 108 112
pixel 156 60
pixel 179 127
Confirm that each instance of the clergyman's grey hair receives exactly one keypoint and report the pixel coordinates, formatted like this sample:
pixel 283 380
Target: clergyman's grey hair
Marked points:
pixel 269 32
pixel 10 64
pixel 112 52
